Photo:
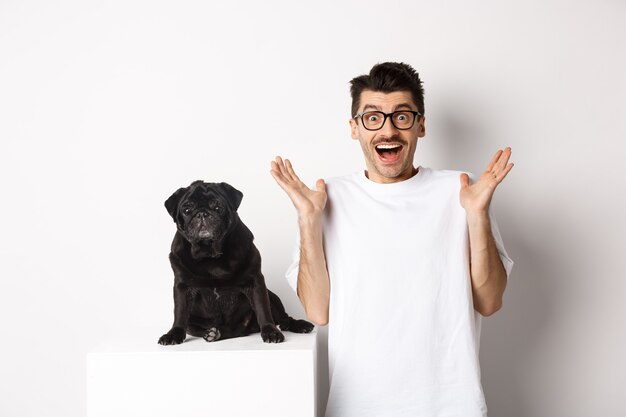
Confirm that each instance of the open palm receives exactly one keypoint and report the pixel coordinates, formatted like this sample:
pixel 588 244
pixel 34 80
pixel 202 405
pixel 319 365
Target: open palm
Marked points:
pixel 476 198
pixel 307 201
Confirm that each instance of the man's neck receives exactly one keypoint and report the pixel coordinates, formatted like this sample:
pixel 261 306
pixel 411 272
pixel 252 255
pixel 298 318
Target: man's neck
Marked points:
pixel 409 173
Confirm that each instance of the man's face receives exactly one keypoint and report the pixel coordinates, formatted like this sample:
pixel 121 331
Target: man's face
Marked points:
pixel 387 165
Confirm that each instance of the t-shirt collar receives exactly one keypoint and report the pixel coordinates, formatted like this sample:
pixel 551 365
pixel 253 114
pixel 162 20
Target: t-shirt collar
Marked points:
pixel 391 187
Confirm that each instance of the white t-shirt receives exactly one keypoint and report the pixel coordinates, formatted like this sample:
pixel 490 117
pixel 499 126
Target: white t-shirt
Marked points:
pixel 403 335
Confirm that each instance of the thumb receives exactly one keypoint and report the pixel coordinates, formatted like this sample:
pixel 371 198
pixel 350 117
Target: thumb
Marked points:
pixel 320 185
pixel 464 180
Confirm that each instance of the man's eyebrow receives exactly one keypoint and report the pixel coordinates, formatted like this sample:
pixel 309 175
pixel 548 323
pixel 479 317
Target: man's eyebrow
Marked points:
pixel 403 105
pixel 371 106
pixel 374 107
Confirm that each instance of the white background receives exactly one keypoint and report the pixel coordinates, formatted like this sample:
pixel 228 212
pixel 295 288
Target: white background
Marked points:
pixel 107 107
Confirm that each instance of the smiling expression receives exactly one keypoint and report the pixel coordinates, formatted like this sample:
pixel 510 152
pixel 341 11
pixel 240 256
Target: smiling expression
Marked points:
pixel 389 151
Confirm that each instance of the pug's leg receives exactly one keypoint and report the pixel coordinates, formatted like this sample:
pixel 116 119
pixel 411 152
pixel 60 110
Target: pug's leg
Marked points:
pixel 259 300
pixel 283 320
pixel 183 300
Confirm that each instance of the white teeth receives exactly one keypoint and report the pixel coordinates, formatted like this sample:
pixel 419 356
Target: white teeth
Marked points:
pixel 387 146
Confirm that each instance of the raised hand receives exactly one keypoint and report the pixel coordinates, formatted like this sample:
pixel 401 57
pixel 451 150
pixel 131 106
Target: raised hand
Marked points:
pixel 308 202
pixel 476 198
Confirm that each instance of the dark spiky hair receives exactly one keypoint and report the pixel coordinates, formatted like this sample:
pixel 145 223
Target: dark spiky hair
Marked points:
pixel 388 77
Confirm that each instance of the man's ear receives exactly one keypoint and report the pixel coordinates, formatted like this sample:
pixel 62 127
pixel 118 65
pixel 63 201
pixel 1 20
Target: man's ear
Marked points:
pixel 354 128
pixel 421 127
pixel 171 204
pixel 233 195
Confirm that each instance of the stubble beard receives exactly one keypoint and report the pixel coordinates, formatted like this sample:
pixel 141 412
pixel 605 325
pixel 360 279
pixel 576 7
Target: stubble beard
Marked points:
pixel 390 172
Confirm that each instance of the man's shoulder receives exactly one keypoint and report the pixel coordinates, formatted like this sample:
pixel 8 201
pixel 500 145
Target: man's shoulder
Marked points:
pixel 342 180
pixel 448 174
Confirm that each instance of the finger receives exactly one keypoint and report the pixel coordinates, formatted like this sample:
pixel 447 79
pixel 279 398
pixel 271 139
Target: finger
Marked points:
pixel 504 159
pixel 293 194
pixel 320 185
pixel 276 173
pixel 290 170
pixel 464 180
pixel 508 168
pixel 280 180
pixel 281 167
pixel 284 171
pixel 276 169
pixel 494 160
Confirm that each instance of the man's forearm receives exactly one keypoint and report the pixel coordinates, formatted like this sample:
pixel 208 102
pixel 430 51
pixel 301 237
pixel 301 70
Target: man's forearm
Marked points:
pixel 313 281
pixel 486 268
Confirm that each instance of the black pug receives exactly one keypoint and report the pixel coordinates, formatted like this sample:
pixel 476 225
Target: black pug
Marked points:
pixel 219 291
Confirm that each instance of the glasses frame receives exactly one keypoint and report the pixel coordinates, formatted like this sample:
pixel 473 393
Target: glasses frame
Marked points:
pixel 416 116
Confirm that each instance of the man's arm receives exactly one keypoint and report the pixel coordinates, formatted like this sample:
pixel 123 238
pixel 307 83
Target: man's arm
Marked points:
pixel 487 271
pixel 313 282
pixel 486 268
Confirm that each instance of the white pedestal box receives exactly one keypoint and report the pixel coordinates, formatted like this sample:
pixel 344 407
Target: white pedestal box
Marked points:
pixel 241 377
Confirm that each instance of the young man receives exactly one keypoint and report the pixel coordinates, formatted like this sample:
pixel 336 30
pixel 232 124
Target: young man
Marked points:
pixel 400 261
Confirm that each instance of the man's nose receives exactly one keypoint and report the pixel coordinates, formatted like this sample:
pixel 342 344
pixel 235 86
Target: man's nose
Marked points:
pixel 388 129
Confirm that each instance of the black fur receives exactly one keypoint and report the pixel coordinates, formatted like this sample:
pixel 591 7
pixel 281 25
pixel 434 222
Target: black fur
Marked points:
pixel 219 291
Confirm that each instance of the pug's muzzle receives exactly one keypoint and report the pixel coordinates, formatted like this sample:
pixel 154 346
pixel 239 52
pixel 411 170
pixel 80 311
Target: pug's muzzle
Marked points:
pixel 205 225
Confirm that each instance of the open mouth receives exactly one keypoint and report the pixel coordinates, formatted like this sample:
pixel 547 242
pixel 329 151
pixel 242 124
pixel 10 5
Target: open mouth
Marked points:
pixel 388 152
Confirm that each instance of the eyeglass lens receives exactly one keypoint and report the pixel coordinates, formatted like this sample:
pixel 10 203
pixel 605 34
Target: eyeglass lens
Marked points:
pixel 400 119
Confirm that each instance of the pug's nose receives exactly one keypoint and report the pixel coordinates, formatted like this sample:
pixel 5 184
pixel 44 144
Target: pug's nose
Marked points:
pixel 203 214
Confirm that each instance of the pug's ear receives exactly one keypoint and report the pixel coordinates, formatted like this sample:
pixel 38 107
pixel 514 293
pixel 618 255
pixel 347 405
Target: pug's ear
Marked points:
pixel 234 195
pixel 171 204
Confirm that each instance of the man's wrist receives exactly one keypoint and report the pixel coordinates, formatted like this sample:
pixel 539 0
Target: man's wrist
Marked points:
pixel 478 217
pixel 310 220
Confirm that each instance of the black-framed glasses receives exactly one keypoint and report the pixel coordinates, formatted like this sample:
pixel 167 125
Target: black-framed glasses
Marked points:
pixel 401 119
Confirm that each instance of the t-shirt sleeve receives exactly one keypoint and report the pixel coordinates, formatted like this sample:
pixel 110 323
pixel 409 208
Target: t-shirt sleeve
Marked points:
pixel 504 256
pixel 292 270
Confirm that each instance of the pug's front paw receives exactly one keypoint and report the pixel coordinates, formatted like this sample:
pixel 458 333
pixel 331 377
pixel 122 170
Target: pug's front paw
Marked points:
pixel 271 334
pixel 175 336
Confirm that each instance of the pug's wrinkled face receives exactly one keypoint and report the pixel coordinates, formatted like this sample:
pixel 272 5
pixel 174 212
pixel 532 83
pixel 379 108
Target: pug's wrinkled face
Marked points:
pixel 204 215
pixel 204 212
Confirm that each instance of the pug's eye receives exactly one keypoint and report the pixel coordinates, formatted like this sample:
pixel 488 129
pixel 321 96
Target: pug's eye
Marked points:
pixel 218 209
pixel 186 210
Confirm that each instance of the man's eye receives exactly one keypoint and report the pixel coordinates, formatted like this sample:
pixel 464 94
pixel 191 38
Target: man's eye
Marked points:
pixel 401 117
pixel 372 118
